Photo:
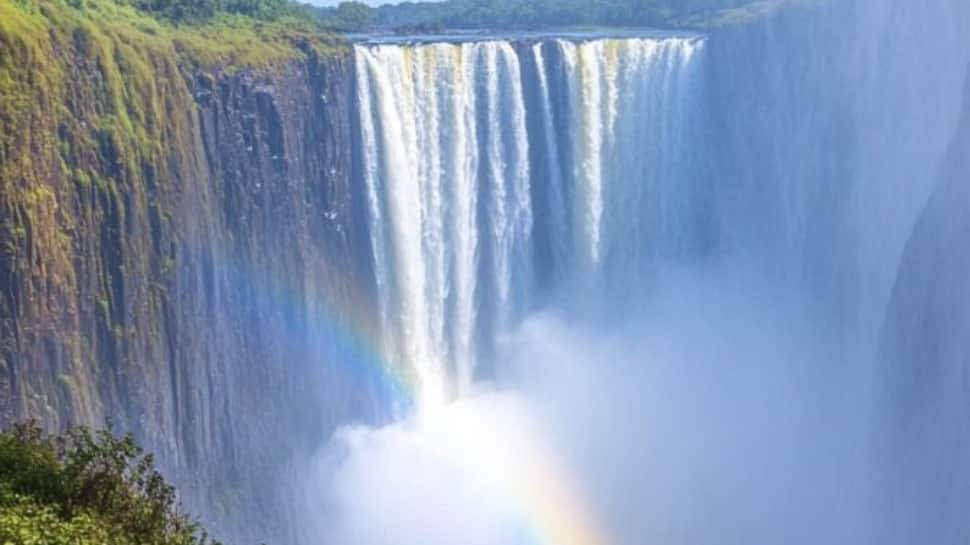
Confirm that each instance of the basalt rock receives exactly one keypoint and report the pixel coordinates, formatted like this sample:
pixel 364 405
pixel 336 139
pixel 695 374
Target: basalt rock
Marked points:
pixel 176 254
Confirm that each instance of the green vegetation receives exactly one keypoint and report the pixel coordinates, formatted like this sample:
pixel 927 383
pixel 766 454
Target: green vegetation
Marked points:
pixel 198 10
pixel 534 14
pixel 88 87
pixel 356 16
pixel 97 115
pixel 86 488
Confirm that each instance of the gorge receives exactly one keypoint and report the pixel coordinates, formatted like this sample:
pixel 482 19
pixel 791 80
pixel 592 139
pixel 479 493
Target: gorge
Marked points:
pixel 592 287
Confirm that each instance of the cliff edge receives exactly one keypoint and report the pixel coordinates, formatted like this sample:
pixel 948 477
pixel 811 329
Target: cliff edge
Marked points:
pixel 175 236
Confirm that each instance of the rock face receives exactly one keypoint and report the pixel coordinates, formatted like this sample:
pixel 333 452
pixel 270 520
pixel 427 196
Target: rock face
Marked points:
pixel 840 157
pixel 177 255
pixel 185 250
pixel 923 369
pixel 264 265
pixel 822 146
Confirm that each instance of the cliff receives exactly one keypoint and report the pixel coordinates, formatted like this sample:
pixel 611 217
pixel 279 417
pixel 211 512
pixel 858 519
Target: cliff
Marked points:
pixel 176 233
pixel 183 240
pixel 923 377
pixel 820 146
pixel 839 159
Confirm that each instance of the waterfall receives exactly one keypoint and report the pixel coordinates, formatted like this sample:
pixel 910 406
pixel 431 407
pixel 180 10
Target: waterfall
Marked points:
pixel 626 133
pixel 455 198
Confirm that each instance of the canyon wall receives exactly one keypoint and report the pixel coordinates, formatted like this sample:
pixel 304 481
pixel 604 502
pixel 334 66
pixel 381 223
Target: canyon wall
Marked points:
pixel 185 246
pixel 828 122
pixel 176 243
pixel 923 367
pixel 838 161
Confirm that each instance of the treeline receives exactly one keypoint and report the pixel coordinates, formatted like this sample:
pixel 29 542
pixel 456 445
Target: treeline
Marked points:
pixel 518 14
pixel 200 10
pixel 429 16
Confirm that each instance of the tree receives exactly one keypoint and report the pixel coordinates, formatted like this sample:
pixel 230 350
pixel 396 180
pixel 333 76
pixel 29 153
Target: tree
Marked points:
pixel 86 488
pixel 198 10
pixel 459 14
pixel 352 16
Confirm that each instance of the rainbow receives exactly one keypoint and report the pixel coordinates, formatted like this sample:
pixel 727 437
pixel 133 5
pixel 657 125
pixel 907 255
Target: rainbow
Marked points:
pixel 516 467
pixel 347 328
pixel 513 464
pixel 535 482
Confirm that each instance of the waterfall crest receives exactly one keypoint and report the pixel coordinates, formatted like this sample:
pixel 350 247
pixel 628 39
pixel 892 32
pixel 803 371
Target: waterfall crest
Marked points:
pixel 468 223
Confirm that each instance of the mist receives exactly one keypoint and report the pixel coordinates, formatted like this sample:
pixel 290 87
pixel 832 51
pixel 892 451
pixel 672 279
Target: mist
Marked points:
pixel 708 418
pixel 695 310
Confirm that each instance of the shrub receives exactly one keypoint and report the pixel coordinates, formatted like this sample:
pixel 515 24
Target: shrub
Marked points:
pixel 86 487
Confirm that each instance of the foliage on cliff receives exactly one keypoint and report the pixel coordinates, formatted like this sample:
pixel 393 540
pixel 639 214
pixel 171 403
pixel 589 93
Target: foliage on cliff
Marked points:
pixel 86 488
pixel 139 156
pixel 98 133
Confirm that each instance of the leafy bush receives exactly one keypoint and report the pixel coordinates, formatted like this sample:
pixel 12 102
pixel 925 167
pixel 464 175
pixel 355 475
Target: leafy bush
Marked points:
pixel 86 488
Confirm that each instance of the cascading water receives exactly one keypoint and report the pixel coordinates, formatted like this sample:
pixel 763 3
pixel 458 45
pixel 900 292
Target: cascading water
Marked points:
pixel 467 220
pixel 648 288
pixel 668 257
